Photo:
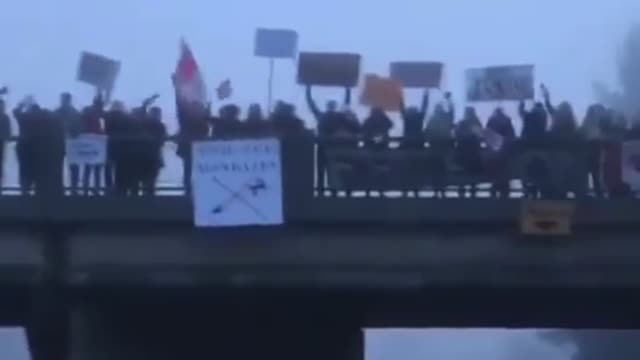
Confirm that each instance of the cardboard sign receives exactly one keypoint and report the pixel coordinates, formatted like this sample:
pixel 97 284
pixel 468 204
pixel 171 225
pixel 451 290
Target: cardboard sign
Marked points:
pixel 98 71
pixel 381 92
pixel 276 43
pixel 547 218
pixel 87 149
pixel 328 69
pixel 500 83
pixel 237 183
pixel 417 74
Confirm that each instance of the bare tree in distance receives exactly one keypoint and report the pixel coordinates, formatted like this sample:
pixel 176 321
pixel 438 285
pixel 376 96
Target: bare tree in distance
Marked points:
pixel 624 99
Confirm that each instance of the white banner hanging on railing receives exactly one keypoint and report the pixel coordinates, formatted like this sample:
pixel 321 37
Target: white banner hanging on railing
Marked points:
pixel 87 149
pixel 237 183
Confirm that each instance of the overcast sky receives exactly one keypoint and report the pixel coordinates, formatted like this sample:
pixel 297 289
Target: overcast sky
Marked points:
pixel 571 43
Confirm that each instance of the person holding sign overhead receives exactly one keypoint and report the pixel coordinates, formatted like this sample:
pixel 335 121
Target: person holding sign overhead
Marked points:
pixel 563 120
pixel 332 125
pixel 413 120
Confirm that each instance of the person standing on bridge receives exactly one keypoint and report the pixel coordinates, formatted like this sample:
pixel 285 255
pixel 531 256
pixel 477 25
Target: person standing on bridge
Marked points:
pixel 5 134
pixel 332 124
pixel 26 116
pixel 93 123
pixel 69 116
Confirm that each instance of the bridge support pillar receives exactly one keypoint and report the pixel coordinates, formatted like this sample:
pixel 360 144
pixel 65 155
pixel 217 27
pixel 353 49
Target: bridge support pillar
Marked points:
pixel 106 332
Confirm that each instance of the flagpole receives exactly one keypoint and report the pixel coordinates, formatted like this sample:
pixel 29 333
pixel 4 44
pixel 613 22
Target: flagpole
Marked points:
pixel 270 85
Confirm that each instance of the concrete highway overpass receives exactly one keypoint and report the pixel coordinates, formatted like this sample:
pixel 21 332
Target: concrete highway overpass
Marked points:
pixel 131 278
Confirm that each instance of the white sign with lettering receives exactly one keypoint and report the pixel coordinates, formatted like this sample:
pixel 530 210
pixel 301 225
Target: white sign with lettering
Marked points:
pixel 87 149
pixel 237 183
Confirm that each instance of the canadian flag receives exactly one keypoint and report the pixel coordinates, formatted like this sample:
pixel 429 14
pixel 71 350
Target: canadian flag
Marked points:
pixel 188 80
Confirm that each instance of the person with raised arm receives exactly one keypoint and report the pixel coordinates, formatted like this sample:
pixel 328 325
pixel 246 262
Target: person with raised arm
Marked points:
pixel 564 137
pixel 121 153
pixel 26 117
pixel 332 125
pixel 70 117
pixel 534 123
pixel 563 121
pixel 154 133
pixel 439 134
pixel 413 120
pixel 5 135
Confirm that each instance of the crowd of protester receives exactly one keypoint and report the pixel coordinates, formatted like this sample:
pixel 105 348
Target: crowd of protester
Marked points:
pixel 136 138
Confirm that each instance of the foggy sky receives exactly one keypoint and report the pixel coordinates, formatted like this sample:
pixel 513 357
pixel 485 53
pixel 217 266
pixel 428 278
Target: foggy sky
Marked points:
pixel 571 43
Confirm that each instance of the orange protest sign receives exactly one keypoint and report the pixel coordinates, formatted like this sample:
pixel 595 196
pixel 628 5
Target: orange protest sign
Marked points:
pixel 382 92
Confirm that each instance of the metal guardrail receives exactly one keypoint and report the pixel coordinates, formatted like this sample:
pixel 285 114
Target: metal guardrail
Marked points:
pixel 409 168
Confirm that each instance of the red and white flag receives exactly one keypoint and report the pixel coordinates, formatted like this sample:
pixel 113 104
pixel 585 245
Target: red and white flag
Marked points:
pixel 188 80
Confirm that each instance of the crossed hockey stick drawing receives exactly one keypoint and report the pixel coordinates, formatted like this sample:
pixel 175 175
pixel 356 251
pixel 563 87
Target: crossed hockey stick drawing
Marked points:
pixel 252 188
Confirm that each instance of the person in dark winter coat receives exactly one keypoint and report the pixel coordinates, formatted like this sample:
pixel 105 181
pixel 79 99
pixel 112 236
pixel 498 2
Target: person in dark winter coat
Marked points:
pixel 71 119
pixel 498 164
pixel 413 120
pixel 468 150
pixel 5 134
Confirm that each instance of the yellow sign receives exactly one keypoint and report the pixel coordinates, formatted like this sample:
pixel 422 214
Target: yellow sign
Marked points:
pixel 546 217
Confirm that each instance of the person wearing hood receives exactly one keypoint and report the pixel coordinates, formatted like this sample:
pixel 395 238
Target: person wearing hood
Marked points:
pixel 70 117
pixel 439 132
pixel 413 120
pixel 498 163
pixel 331 123
pixel 468 152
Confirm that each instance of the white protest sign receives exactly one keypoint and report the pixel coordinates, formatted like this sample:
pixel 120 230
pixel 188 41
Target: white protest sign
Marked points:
pixel 98 70
pixel 500 83
pixel 87 149
pixel 276 43
pixel 237 183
